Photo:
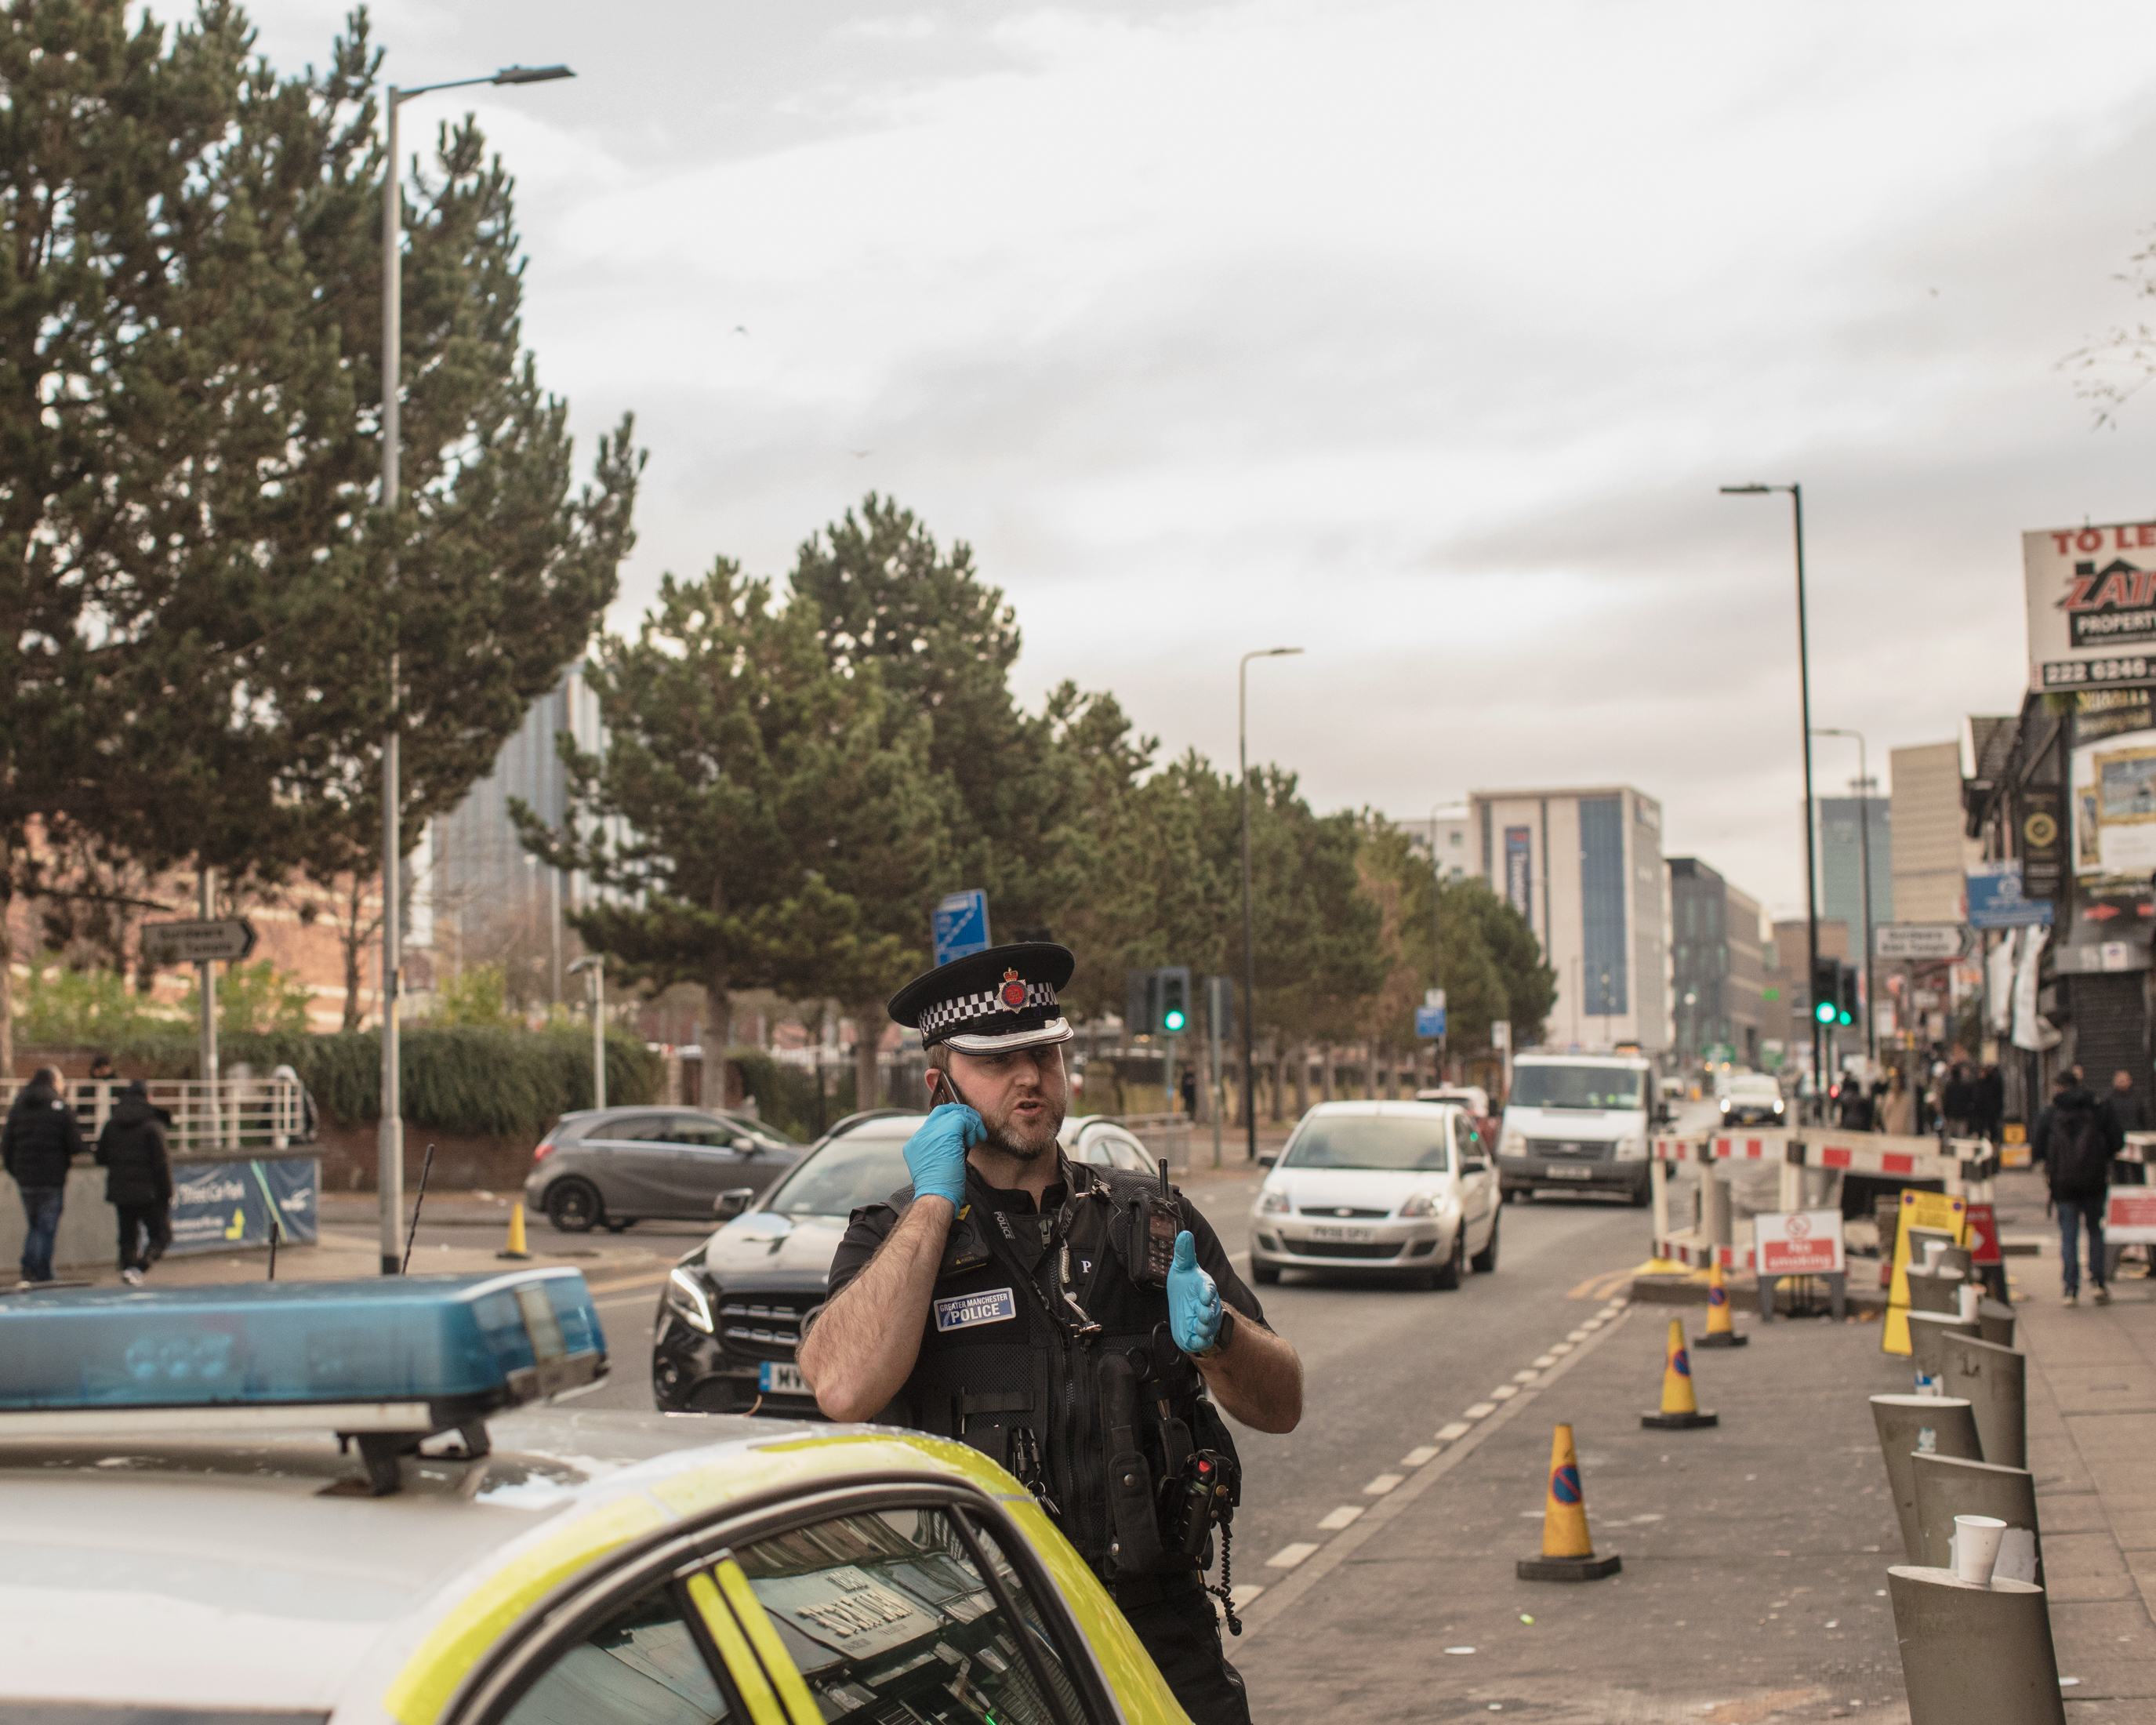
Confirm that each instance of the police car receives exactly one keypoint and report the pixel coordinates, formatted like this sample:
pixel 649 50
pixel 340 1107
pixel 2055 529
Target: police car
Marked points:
pixel 287 1502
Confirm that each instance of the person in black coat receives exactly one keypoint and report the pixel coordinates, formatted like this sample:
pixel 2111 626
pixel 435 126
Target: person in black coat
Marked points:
pixel 2074 1141
pixel 138 1180
pixel 39 1140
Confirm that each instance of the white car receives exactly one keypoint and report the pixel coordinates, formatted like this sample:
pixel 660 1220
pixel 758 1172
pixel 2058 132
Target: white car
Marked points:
pixel 1747 1096
pixel 1397 1187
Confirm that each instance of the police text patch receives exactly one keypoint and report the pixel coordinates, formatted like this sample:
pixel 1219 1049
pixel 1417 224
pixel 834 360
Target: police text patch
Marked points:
pixel 963 1311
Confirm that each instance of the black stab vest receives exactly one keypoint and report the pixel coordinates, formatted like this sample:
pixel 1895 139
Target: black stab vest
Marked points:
pixel 982 1377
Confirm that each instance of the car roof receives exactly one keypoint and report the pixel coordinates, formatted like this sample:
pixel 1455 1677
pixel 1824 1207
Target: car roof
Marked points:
pixel 1411 1109
pixel 239 1581
pixel 1552 1058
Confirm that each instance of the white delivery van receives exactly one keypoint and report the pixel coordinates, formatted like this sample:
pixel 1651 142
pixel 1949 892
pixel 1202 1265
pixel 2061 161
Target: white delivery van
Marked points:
pixel 1577 1123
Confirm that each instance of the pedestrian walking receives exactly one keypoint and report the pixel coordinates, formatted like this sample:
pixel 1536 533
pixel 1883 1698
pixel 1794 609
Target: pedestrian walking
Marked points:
pixel 1898 1107
pixel 37 1145
pixel 2076 1141
pixel 1990 1091
pixel 2129 1113
pixel 138 1180
pixel 1854 1114
pixel 1083 1326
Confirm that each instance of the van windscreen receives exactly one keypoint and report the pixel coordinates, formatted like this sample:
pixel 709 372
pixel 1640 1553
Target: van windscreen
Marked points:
pixel 1540 1086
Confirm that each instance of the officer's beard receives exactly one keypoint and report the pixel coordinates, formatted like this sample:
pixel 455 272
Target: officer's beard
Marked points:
pixel 1022 1144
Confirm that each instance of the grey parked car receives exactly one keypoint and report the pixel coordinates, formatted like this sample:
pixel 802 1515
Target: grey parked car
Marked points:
pixel 613 1166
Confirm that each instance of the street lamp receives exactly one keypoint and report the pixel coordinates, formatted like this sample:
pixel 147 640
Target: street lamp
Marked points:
pixel 596 965
pixel 390 1146
pixel 1804 695
pixel 1864 862
pixel 1249 955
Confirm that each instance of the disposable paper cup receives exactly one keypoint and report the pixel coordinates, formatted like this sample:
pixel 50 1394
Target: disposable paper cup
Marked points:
pixel 1976 1547
pixel 1971 1297
pixel 1934 1249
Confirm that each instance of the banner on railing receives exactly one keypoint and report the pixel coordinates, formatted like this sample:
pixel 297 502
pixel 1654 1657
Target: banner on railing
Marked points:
pixel 219 1205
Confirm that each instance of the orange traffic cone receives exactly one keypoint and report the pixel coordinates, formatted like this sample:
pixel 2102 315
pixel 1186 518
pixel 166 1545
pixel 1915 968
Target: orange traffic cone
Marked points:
pixel 1568 1550
pixel 1680 1406
pixel 1721 1332
pixel 516 1248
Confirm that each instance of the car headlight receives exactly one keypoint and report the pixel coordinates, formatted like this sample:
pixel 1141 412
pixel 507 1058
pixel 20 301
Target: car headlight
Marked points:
pixel 1515 1144
pixel 1632 1149
pixel 1777 1105
pixel 1725 1105
pixel 685 1296
pixel 1272 1201
pixel 1424 1203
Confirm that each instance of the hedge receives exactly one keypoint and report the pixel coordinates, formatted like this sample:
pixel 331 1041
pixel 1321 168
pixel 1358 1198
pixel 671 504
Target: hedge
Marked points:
pixel 786 1096
pixel 462 1079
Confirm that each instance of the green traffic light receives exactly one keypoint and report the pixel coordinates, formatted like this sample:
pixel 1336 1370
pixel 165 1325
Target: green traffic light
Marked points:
pixel 1846 1019
pixel 1173 1021
pixel 1824 1011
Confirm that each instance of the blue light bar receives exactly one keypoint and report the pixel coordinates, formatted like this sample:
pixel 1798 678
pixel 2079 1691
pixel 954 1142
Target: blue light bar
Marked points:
pixel 465 1345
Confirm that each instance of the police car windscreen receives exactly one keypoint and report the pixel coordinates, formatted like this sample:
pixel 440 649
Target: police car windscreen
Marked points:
pixel 1575 1087
pixel 864 1166
pixel 1365 1141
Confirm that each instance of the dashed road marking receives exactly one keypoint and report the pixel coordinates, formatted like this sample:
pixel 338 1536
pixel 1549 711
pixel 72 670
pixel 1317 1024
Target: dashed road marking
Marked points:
pixel 1558 1350
pixel 1480 1410
pixel 1383 1483
pixel 1415 1457
pixel 1244 1592
pixel 1505 1392
pixel 1343 1516
pixel 1543 1362
pixel 1527 1377
pixel 1288 1556
pixel 1458 1427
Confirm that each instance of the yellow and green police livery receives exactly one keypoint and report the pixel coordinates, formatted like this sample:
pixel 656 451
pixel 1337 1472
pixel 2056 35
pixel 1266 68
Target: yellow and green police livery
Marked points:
pixel 344 1502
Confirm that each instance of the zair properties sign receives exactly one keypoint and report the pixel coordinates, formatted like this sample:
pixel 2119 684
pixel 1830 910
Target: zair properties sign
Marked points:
pixel 2092 605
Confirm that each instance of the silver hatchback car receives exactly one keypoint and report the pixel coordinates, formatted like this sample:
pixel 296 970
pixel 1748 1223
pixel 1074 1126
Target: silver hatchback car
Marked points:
pixel 613 1167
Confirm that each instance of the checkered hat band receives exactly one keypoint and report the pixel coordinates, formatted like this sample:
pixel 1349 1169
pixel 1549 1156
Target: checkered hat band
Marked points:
pixel 985 1003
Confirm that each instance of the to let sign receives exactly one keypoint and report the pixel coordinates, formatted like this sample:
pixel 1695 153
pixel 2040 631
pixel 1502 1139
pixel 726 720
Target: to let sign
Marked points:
pixel 1798 1242
pixel 2130 1216
pixel 226 942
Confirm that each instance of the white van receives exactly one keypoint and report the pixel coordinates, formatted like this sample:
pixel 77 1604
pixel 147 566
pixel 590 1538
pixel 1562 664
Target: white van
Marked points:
pixel 1578 1122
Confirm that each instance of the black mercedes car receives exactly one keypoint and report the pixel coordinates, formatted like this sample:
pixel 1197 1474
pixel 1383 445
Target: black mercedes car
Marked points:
pixel 729 1314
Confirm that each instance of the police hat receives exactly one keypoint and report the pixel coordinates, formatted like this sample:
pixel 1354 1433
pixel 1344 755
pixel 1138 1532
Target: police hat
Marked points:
pixel 988 1001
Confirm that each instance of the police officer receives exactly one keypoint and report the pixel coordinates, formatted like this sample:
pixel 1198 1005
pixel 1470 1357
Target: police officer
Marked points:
pixel 1077 1324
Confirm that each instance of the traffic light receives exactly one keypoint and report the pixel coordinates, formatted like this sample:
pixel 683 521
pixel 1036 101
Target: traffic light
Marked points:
pixel 1844 999
pixel 1175 999
pixel 1826 990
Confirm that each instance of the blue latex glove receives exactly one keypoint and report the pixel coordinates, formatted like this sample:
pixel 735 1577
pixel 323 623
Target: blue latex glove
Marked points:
pixel 936 1154
pixel 1193 1300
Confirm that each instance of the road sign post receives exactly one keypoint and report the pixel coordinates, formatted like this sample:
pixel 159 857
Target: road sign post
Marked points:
pixel 204 943
pixel 960 925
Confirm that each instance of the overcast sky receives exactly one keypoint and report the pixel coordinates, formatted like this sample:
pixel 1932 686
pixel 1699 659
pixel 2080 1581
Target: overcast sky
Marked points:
pixel 1418 335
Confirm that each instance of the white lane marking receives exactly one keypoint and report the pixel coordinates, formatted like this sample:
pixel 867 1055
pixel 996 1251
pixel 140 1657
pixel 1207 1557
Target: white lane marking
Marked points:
pixel 1504 1392
pixel 1455 1429
pixel 1579 1334
pixel 1545 1361
pixel 1288 1556
pixel 1244 1592
pixel 1557 1351
pixel 1383 1483
pixel 1592 1325
pixel 1417 1457
pixel 1525 1377
pixel 1343 1516
pixel 1480 1410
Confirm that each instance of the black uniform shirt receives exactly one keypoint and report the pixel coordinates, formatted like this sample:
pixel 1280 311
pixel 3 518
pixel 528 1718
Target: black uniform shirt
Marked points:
pixel 870 1226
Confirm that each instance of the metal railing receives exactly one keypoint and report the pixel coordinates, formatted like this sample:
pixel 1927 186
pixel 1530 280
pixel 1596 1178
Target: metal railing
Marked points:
pixel 1166 1136
pixel 205 1121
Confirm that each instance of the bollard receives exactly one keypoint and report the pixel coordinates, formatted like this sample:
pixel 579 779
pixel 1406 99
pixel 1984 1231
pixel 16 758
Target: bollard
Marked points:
pixel 1721 1332
pixel 1928 1332
pixel 1938 1425
pixel 1974 1653
pixel 1679 1409
pixel 1715 1214
pixel 1568 1550
pixel 1950 1486
pixel 1997 1318
pixel 516 1248
pixel 1934 1291
pixel 1994 1380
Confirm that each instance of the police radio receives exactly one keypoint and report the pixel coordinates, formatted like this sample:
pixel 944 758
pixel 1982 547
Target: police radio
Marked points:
pixel 1154 1235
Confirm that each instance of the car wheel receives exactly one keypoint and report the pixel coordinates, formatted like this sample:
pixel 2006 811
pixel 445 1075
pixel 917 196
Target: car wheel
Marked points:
pixel 619 1224
pixel 1486 1260
pixel 1448 1274
pixel 574 1207
pixel 1265 1275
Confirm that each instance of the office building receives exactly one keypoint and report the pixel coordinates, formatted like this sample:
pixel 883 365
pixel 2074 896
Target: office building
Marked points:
pixel 1717 968
pixel 1843 840
pixel 1931 853
pixel 1442 833
pixel 1585 867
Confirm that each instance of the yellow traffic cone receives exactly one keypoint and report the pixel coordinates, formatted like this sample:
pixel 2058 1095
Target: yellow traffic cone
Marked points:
pixel 1567 1549
pixel 1680 1406
pixel 1721 1332
pixel 516 1248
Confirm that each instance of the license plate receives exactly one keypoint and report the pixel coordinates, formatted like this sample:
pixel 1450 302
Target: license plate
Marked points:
pixel 1571 1173
pixel 776 1378
pixel 1344 1234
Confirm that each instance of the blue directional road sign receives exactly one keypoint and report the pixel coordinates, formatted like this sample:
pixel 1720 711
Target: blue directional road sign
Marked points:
pixel 960 925
pixel 1995 901
pixel 1430 1021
